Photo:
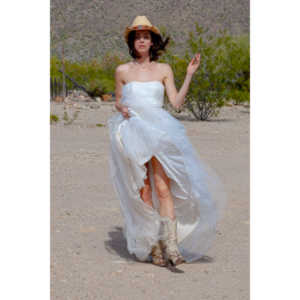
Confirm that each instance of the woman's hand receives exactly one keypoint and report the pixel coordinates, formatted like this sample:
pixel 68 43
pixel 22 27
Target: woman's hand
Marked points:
pixel 125 112
pixel 194 64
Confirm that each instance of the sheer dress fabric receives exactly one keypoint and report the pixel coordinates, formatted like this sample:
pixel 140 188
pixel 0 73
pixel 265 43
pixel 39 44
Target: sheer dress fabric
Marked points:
pixel 198 194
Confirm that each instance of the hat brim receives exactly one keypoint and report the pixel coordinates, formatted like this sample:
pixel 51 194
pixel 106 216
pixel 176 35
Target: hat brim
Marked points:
pixel 140 27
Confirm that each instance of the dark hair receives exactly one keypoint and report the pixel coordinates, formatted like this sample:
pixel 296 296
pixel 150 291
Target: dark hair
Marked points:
pixel 158 47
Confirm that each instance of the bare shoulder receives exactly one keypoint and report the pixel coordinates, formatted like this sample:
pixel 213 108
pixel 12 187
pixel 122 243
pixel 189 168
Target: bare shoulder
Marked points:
pixel 165 69
pixel 121 72
pixel 123 67
pixel 164 66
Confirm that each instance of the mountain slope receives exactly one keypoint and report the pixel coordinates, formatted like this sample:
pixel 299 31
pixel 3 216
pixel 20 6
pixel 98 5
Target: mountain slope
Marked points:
pixel 91 28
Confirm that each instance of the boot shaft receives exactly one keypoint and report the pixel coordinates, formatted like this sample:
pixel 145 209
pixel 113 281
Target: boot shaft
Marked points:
pixel 169 228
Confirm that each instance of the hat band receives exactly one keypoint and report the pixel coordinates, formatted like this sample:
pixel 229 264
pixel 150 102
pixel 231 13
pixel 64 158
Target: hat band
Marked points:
pixel 139 27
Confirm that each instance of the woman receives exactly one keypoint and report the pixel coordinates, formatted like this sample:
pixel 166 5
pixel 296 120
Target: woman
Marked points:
pixel 170 201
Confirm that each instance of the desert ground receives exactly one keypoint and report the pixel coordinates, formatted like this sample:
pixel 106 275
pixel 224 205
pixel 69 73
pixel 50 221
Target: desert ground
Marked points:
pixel 89 259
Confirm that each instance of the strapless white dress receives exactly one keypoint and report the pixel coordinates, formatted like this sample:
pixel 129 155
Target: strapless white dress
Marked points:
pixel 199 197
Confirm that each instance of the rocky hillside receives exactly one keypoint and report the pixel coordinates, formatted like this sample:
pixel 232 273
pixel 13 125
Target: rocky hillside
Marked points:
pixel 91 28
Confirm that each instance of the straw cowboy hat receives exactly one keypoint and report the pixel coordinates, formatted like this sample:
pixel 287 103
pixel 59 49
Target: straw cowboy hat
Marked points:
pixel 140 23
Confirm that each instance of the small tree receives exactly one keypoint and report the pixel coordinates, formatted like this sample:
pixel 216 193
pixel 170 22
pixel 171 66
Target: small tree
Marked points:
pixel 222 75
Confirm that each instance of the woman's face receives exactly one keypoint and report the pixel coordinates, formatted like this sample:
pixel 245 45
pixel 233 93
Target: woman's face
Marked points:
pixel 142 41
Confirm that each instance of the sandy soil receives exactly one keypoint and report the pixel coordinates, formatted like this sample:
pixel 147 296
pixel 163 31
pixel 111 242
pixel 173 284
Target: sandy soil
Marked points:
pixel 89 259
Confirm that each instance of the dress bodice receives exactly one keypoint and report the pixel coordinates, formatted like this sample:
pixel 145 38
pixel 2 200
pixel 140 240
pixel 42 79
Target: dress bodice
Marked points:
pixel 143 93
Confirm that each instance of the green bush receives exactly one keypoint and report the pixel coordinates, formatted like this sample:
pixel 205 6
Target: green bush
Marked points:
pixel 53 118
pixel 223 74
pixel 96 76
pixel 239 55
pixel 205 95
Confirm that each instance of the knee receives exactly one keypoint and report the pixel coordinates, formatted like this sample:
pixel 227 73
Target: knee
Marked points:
pixel 162 190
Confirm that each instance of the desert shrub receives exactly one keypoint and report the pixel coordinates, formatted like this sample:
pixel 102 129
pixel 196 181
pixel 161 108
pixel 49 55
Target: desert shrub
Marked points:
pixel 238 60
pixel 224 71
pixel 53 118
pixel 205 95
pixel 96 76
pixel 87 74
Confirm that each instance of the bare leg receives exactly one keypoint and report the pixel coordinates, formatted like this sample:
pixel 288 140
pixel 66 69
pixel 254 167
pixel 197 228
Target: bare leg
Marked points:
pixel 146 195
pixel 169 222
pixel 162 186
pixel 146 191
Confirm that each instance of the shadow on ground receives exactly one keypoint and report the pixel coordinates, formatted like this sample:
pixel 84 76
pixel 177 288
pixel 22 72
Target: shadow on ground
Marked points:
pixel 117 245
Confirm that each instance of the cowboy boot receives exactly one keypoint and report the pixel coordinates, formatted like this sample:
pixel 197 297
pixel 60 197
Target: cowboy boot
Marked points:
pixel 157 255
pixel 169 245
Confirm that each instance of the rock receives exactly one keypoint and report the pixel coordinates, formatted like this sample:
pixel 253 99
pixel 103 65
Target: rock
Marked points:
pixel 68 100
pixel 78 106
pixel 78 96
pixel 94 106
